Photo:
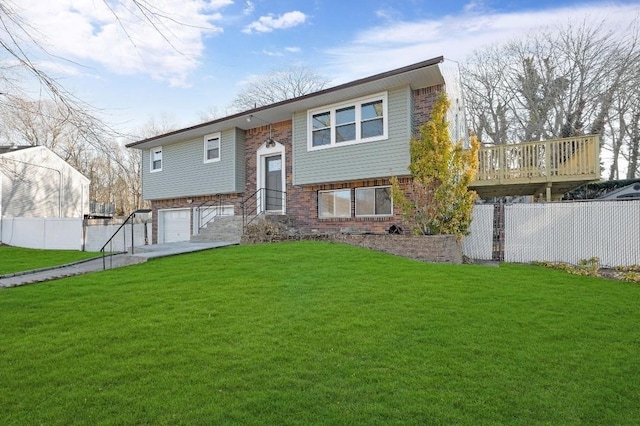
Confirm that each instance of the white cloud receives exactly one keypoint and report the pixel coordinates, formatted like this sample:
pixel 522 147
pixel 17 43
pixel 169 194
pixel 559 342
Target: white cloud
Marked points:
pixel 282 52
pixel 272 52
pixel 396 44
pixel 266 24
pixel 122 39
pixel 388 14
pixel 249 7
pixel 219 4
pixel 475 6
pixel 59 68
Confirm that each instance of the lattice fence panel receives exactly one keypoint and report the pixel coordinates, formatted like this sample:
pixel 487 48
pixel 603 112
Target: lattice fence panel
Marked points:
pixel 571 231
pixel 479 243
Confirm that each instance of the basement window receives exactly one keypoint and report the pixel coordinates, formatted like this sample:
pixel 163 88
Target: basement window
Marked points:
pixel 332 204
pixel 375 201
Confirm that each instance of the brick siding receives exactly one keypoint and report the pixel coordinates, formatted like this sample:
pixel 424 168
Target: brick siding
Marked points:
pixel 190 203
pixel 423 100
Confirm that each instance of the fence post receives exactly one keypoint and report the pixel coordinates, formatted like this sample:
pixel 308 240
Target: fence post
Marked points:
pixel 498 232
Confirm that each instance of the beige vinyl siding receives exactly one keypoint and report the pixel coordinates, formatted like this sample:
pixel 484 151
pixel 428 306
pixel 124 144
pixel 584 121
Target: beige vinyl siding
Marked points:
pixel 359 161
pixel 184 172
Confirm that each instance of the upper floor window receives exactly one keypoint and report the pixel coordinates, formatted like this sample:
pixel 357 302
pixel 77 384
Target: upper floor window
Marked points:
pixel 212 148
pixel 156 159
pixel 362 120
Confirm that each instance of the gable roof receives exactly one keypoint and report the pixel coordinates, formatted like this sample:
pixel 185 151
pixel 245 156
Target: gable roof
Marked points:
pixel 39 156
pixel 418 75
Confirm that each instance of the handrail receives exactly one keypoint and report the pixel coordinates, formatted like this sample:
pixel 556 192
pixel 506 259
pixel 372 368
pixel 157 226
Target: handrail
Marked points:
pixel 256 203
pixel 250 206
pixel 547 160
pixel 204 220
pixel 110 240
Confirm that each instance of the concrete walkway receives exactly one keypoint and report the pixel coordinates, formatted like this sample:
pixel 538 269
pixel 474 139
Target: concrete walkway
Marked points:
pixel 141 255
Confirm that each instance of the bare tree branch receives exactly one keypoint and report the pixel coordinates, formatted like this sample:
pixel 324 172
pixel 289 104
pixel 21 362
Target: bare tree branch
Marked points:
pixel 560 82
pixel 278 86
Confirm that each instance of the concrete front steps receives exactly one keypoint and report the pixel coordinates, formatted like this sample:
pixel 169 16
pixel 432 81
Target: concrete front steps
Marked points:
pixel 222 228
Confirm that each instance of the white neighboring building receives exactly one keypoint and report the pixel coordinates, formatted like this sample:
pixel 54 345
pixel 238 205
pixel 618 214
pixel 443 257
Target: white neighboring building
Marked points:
pixel 36 182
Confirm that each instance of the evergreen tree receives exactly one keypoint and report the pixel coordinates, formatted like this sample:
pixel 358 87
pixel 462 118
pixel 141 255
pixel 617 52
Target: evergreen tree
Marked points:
pixel 437 200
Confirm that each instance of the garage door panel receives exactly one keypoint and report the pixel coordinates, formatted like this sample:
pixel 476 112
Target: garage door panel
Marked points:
pixel 176 225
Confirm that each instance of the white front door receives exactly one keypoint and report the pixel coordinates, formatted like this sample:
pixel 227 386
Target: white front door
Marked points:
pixel 174 225
pixel 271 178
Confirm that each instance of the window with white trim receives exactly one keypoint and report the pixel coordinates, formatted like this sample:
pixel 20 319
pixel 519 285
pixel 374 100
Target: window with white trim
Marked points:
pixel 363 120
pixel 374 201
pixel 156 159
pixel 332 204
pixel 212 148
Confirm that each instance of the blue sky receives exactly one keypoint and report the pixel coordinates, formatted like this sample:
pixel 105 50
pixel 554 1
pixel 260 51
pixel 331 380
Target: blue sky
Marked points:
pixel 213 47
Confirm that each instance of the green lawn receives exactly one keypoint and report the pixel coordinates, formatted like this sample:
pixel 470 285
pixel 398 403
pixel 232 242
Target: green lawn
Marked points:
pixel 17 259
pixel 319 333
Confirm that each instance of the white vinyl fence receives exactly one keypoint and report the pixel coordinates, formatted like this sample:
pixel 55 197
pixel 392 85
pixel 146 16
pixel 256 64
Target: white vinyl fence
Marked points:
pixel 559 232
pixel 97 235
pixel 42 233
pixel 68 234
pixel 556 232
pixel 479 244
pixel 569 232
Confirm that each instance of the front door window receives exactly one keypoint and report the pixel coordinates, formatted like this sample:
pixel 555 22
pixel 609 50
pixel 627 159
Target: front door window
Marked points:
pixel 273 183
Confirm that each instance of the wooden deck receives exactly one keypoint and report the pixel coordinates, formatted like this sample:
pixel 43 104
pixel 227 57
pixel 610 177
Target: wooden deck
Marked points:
pixel 546 168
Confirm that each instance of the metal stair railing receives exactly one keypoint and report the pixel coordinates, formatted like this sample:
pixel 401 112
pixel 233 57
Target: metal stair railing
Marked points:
pixel 209 213
pixel 255 204
pixel 250 206
pixel 109 242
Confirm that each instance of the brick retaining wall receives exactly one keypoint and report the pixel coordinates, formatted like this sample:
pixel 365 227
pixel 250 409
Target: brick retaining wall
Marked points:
pixel 427 248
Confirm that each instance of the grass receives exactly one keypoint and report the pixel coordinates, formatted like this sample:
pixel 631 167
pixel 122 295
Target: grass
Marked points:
pixel 17 259
pixel 319 333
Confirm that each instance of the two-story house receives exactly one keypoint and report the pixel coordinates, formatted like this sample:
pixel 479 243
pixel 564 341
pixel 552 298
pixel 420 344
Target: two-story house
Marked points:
pixel 324 159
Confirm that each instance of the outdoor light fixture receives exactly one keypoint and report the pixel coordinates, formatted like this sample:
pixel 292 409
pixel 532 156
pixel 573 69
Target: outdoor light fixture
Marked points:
pixel 270 142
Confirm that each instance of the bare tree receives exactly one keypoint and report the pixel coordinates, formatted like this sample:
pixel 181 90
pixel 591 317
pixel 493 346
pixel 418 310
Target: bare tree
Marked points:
pixel 154 126
pixel 208 114
pixel 125 169
pixel 57 119
pixel 561 82
pixel 485 80
pixel 278 85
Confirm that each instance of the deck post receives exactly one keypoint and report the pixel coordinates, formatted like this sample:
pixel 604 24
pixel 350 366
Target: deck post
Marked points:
pixel 548 192
pixel 547 163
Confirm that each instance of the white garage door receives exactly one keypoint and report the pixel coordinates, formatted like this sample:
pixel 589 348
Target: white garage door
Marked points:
pixel 174 226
